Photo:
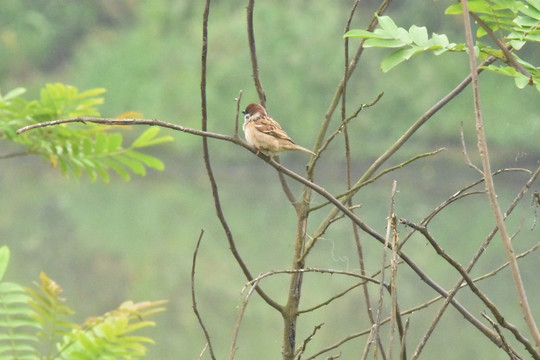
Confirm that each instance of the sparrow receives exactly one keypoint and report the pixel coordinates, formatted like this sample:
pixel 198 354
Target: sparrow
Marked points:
pixel 264 133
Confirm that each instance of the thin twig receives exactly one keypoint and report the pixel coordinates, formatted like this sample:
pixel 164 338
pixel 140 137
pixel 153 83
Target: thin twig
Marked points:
pixel 510 59
pixel 369 331
pixel 490 187
pixel 203 350
pixel 358 186
pixel 238 100
pixel 209 171
pixel 302 347
pixel 346 121
pixel 194 301
pixel 505 265
pixel 239 320
pixel 481 295
pixel 285 187
pixel 505 345
pixel 309 270
pixel 123 122
pixel 335 297
pixel 475 257
pixel 465 153
pixel 337 95
pixel 253 54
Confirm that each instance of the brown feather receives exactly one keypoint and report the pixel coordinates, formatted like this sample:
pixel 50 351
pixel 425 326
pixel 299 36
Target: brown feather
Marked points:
pixel 265 134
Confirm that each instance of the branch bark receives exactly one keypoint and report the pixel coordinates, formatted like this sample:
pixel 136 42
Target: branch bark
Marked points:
pixel 490 186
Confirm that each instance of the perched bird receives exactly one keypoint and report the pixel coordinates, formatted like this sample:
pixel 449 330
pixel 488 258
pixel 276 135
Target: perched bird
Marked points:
pixel 264 133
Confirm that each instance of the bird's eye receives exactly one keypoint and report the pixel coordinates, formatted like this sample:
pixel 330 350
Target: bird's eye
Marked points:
pixel 246 116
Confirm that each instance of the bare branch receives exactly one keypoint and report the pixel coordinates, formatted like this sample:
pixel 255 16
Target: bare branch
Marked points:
pixel 490 187
pixel 151 122
pixel 302 347
pixel 209 171
pixel 335 297
pixel 239 320
pixel 285 187
pixel 309 270
pixel 194 301
pixel 481 295
pixel 238 100
pixel 465 153
pixel 253 53
pixel 476 256
pixel 505 345
pixel 358 186
pixel 345 121
pixel 337 95
pixel 503 266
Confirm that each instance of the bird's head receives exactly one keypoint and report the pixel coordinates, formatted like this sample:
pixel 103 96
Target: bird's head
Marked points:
pixel 253 112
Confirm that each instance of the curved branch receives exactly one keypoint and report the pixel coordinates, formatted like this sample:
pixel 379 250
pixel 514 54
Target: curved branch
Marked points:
pixel 211 177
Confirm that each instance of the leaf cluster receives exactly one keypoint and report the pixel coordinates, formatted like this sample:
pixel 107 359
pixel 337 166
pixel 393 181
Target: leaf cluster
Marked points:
pixel 25 310
pixel 515 23
pixel 91 149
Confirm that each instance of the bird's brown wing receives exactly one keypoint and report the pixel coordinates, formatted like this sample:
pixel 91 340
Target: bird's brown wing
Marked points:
pixel 270 127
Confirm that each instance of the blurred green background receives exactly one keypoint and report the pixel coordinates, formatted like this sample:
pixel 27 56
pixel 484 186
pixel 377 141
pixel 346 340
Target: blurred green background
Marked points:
pixel 106 243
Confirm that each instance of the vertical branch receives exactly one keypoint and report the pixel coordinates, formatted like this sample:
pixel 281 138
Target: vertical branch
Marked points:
pixel 356 234
pixel 290 310
pixel 209 171
pixel 259 88
pixel 238 100
pixel 490 186
pixel 253 52
pixel 394 261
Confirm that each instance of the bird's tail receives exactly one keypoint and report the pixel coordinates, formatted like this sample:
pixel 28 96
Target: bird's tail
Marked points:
pixel 301 148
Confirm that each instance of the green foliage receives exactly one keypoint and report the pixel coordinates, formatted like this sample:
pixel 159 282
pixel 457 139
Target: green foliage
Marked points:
pixel 410 42
pixel 106 337
pixel 90 149
pixel 515 21
pixel 16 321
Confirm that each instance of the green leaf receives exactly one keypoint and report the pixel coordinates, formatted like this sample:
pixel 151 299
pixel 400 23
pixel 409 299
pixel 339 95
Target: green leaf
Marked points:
pixel 521 80
pixel 146 137
pixel 454 9
pixel 419 35
pixel 440 39
pixel 91 92
pixel 13 93
pixel 389 26
pixel 148 160
pixel 102 172
pixel 384 43
pixel 4 260
pixel 114 142
pixel 134 165
pixel 100 143
pixel 118 168
pixel 532 9
pixel 397 57
pixel 366 34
